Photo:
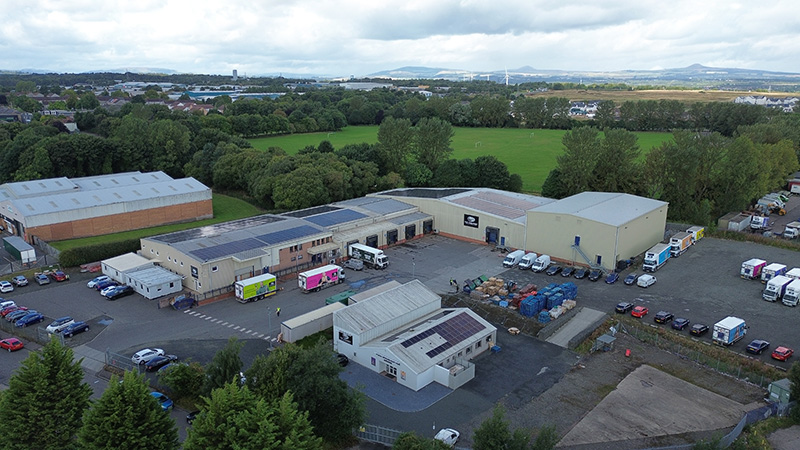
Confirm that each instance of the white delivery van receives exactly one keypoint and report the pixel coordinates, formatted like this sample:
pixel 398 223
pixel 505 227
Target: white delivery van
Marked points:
pixel 646 280
pixel 527 260
pixel 541 263
pixel 513 258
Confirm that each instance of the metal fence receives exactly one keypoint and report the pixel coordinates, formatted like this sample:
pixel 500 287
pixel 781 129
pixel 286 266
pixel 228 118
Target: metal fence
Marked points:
pixel 378 434
pixel 739 371
pixel 119 363
pixel 19 266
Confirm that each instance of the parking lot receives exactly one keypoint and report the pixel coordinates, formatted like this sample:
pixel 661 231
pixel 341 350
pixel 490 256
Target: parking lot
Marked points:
pixel 702 285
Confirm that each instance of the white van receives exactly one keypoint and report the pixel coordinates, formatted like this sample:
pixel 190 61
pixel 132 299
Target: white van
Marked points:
pixel 646 280
pixel 527 260
pixel 513 258
pixel 541 263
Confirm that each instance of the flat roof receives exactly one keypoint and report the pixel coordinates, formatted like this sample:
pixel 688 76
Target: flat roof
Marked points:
pixel 127 262
pixel 611 208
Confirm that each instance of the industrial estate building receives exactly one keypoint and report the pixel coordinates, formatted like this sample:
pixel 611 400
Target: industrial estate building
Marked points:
pixel 404 334
pixel 61 208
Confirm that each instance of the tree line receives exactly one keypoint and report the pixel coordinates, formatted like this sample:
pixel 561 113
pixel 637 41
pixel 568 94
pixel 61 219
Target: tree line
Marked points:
pixel 701 175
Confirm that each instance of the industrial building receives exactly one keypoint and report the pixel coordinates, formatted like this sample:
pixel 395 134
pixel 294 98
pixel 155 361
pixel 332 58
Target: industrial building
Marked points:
pixel 403 333
pixel 61 208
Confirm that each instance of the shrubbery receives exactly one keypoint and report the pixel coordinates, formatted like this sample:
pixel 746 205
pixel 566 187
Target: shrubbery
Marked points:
pixel 92 253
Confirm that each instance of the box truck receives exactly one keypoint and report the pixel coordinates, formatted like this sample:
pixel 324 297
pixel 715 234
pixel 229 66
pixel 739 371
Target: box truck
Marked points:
pixel 792 230
pixel 771 271
pixel 697 233
pixel 513 258
pixel 19 249
pixel 656 257
pixel 371 256
pixel 255 288
pixel 541 263
pixel 320 278
pixel 679 243
pixel 751 269
pixel 775 288
pixel 729 330
pixel 527 261
pixel 792 294
pixel 794 273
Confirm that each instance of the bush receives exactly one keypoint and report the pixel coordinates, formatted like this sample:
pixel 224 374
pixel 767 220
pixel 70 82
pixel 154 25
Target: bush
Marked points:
pixel 98 252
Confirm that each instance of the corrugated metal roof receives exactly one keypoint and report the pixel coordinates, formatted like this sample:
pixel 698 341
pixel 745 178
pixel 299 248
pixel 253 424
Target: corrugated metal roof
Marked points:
pixel 22 189
pixel 154 276
pixel 387 206
pixel 384 307
pixel 313 315
pixel 127 262
pixel 610 208
pixel 410 218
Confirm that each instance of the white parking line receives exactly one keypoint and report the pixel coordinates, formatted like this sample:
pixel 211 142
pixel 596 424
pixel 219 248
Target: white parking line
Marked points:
pixel 230 325
pixel 224 324
pixel 237 328
pixel 209 317
pixel 261 335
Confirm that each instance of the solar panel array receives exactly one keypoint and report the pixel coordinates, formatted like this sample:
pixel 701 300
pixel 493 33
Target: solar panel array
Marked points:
pixel 217 229
pixel 453 331
pixel 277 237
pixel 425 193
pixel 228 248
pixel 335 217
pixel 311 211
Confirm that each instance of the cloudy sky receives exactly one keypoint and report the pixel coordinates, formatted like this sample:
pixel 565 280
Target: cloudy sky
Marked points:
pixel 360 37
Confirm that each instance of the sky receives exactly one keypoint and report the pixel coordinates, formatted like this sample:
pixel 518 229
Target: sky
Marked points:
pixel 342 38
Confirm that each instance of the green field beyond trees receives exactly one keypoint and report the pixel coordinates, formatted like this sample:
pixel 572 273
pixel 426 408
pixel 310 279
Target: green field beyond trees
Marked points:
pixel 530 153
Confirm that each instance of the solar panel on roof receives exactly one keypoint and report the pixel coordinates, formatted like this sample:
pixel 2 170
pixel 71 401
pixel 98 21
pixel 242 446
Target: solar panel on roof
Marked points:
pixel 335 217
pixel 217 229
pixel 226 249
pixel 453 330
pixel 311 211
pixel 288 234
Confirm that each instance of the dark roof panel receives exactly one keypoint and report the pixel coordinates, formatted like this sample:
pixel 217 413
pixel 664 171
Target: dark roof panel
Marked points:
pixel 335 217
pixel 288 234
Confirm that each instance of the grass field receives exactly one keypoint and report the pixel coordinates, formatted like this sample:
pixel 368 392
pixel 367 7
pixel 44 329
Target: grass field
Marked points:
pixel 530 153
pixel 225 209
pixel 683 95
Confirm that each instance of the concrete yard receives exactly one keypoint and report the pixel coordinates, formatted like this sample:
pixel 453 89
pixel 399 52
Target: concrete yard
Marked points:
pixel 650 403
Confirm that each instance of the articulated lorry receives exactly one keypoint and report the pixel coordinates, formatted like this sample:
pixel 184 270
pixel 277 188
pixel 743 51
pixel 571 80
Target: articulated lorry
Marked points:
pixel 679 243
pixel 729 330
pixel 792 294
pixel 697 233
pixel 776 288
pixel 656 257
pixel 751 269
pixel 255 288
pixel 320 278
pixel 371 256
pixel 771 271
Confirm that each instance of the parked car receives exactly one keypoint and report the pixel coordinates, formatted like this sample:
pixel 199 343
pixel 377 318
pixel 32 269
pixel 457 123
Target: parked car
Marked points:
pixel 663 317
pixel 29 319
pixel 639 311
pixel 680 323
pixel 42 279
pixel 552 270
pixel 100 285
pixel 353 263
pixel 646 281
pixel 163 400
pixel 448 435
pixel 757 346
pixel 74 328
pixel 93 282
pixel 699 329
pixel 9 309
pixel 595 275
pixel 13 316
pixel 158 362
pixel 191 416
pixel 11 344
pixel 623 307
pixel 6 303
pixel 631 279
pixel 146 354
pixel 59 276
pixel 581 272
pixel 108 289
pixel 782 353
pixel 20 280
pixel 6 286
pixel 59 324
pixel 567 271
pixel 612 278
pixel 120 291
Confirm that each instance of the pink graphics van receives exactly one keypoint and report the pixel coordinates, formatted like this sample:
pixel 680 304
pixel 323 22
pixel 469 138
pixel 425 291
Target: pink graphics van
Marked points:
pixel 320 278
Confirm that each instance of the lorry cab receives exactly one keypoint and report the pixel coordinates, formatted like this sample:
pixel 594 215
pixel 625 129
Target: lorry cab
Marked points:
pixel 541 263
pixel 513 258
pixel 527 261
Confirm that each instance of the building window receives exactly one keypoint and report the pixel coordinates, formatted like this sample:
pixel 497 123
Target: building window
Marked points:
pixel 181 263
pixel 151 251
pixel 172 284
pixel 477 345
pixel 468 350
pixel 488 339
pixel 214 268
pixel 169 258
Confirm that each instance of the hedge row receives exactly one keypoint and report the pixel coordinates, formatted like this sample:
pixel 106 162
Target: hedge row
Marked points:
pixel 98 252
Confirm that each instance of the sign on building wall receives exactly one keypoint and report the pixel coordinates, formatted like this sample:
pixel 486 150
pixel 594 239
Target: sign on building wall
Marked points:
pixel 195 272
pixel 470 221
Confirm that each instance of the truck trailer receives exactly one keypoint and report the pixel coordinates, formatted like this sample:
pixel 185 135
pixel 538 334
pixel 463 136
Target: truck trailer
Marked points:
pixel 775 288
pixel 371 256
pixel 679 243
pixel 697 233
pixel 255 288
pixel 792 294
pixel 320 278
pixel 20 249
pixel 729 330
pixel 751 269
pixel 771 271
pixel 656 257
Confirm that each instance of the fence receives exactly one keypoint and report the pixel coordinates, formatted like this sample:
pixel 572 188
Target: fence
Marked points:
pixel 18 266
pixel 119 363
pixel 46 248
pixel 380 435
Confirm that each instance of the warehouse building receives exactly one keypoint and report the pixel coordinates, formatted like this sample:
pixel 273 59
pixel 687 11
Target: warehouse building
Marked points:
pixel 61 208
pixel 404 334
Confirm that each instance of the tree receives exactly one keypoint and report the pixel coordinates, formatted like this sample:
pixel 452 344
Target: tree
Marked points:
pixel 579 159
pixel 127 417
pixel 184 379
pixel 410 441
pixel 794 388
pixel 432 142
pixel 45 401
pixel 616 169
pixel 606 114
pixel 493 433
pixel 224 367
pixel 395 140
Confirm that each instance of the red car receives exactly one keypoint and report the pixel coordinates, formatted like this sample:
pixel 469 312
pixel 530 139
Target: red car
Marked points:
pixel 58 275
pixel 10 309
pixel 782 353
pixel 11 344
pixel 639 311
